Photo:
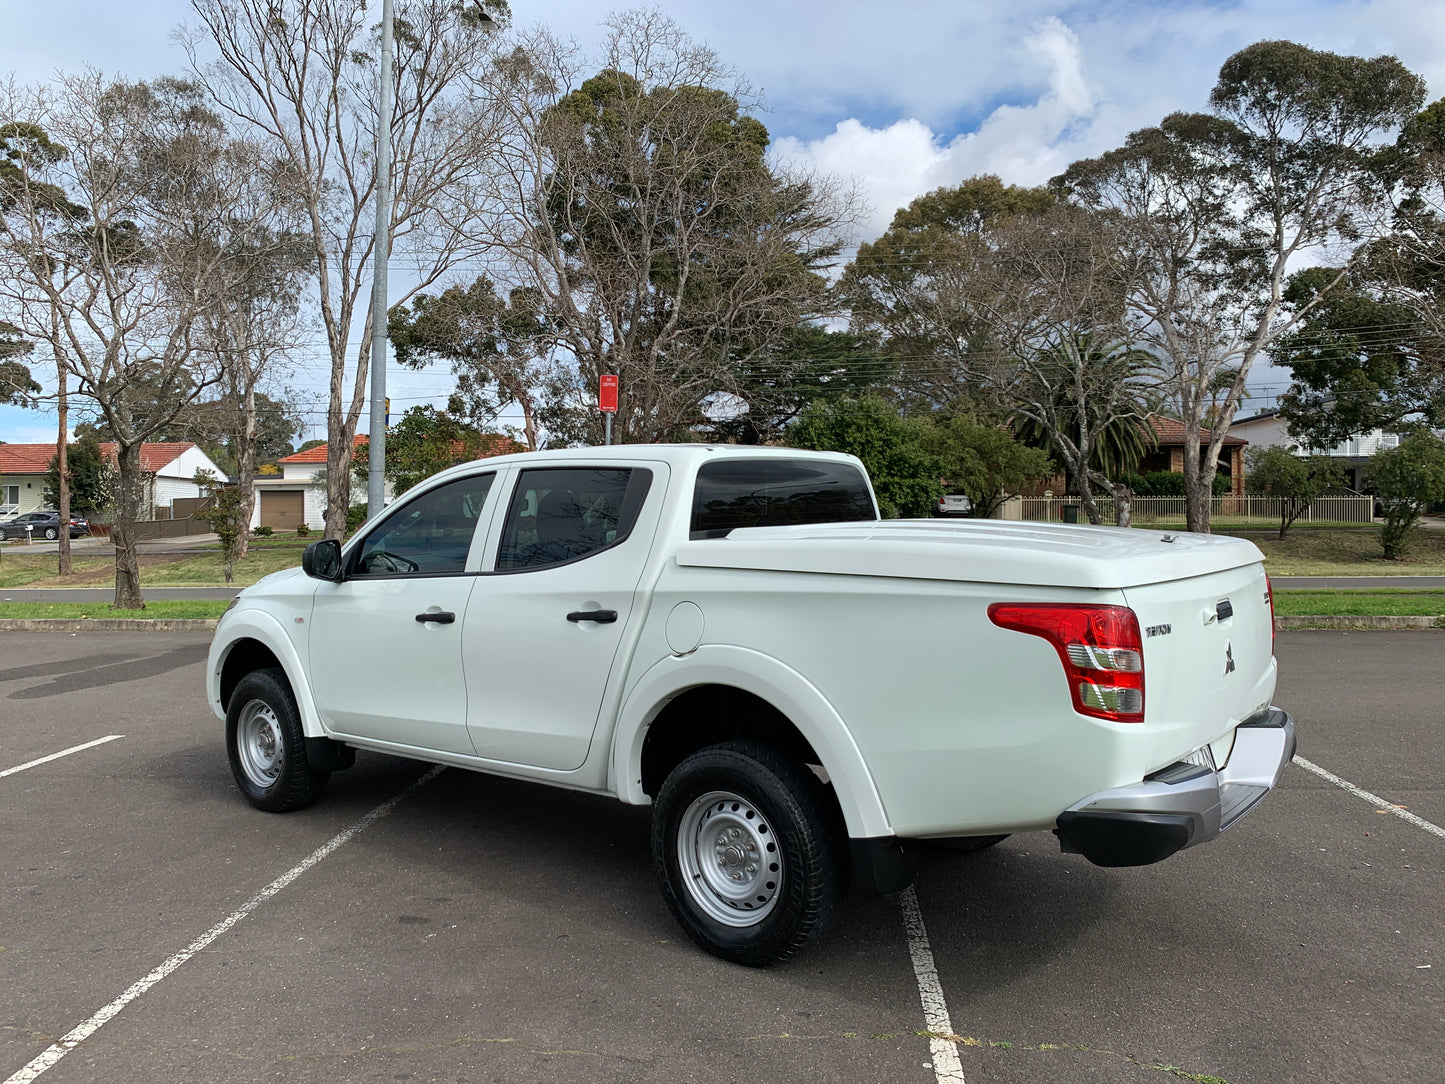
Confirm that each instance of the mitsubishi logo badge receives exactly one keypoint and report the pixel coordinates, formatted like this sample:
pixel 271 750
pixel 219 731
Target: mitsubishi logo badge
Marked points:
pixel 1228 658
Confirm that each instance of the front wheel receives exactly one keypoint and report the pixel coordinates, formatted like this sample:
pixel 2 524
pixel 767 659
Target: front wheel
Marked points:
pixel 51 533
pixel 267 747
pixel 743 844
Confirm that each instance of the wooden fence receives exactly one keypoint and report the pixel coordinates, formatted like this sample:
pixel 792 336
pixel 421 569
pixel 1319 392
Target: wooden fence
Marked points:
pixel 1150 510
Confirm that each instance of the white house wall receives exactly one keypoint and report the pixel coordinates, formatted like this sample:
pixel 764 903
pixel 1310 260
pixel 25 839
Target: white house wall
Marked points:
pixel 30 489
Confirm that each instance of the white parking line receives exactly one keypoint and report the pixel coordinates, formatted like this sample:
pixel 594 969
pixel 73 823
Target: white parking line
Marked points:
pixel 946 1066
pixel 62 753
pixel 78 1034
pixel 1373 799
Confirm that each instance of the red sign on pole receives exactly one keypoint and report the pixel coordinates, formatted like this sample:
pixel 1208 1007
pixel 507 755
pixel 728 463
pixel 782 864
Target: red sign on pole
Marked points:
pixel 607 393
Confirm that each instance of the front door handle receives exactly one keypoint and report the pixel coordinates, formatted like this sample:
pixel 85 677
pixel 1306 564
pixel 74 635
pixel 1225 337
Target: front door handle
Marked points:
pixel 602 617
pixel 443 617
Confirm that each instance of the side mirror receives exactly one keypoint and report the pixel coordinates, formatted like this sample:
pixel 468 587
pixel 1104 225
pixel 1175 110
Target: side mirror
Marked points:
pixel 322 560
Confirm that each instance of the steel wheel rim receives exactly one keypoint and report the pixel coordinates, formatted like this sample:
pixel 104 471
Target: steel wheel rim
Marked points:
pixel 260 744
pixel 730 860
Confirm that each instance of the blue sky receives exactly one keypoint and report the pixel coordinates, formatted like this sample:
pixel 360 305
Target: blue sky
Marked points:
pixel 900 97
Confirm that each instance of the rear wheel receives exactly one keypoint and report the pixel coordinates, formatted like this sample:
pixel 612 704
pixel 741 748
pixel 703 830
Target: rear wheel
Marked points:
pixel 267 747
pixel 743 844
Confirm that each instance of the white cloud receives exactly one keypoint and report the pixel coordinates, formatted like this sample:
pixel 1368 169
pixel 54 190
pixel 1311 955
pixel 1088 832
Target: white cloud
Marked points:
pixel 1023 144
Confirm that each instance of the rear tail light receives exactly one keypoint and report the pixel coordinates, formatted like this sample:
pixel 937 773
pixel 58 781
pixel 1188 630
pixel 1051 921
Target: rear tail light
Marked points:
pixel 1100 647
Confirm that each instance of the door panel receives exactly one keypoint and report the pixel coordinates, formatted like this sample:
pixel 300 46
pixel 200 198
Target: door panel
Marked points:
pixel 535 679
pixel 385 644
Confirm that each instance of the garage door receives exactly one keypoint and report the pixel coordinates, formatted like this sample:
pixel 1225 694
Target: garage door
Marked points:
pixel 283 510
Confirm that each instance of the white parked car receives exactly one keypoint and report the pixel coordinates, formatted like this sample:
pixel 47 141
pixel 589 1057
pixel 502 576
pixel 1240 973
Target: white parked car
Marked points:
pixel 954 504
pixel 733 636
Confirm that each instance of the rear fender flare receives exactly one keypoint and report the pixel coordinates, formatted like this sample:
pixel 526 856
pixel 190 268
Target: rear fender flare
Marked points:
pixel 770 680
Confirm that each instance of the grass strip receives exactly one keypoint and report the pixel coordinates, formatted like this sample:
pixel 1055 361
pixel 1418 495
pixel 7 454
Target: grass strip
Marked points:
pixel 1375 602
pixel 159 609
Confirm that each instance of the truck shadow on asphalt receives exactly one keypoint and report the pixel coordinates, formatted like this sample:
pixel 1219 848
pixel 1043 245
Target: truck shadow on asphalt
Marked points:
pixel 95 671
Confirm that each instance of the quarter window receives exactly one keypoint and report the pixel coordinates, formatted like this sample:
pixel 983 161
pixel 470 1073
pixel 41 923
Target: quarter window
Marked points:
pixel 429 535
pixel 732 493
pixel 562 514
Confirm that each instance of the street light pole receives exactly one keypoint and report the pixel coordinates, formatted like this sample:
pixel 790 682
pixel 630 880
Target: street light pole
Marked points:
pixel 381 253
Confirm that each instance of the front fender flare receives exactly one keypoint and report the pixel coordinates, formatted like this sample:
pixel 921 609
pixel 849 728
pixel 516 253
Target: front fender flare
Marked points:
pixel 770 680
pixel 258 625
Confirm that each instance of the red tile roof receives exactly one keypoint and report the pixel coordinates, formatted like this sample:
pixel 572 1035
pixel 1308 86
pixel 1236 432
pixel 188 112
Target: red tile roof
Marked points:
pixel 35 458
pixel 154 456
pixel 495 444
pixel 1169 431
pixel 318 453
pixel 26 458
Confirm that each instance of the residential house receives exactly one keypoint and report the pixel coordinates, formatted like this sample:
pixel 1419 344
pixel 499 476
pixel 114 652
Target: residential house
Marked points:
pixel 168 470
pixel 296 496
pixel 1168 452
pixel 1267 430
pixel 22 477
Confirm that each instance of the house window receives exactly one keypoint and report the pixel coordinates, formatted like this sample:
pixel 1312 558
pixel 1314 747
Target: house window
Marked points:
pixel 9 500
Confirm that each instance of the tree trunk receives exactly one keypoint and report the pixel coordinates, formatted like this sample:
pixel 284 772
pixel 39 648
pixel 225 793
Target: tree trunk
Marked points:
pixel 1198 490
pixel 1124 505
pixel 1086 495
pixel 129 495
pixel 339 450
pixel 62 450
pixel 246 476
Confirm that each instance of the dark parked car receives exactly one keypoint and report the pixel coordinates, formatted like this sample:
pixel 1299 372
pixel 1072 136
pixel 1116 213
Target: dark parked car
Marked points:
pixel 42 525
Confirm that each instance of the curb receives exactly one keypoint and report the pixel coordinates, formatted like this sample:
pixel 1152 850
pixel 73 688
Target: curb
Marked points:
pixel 1359 622
pixel 107 624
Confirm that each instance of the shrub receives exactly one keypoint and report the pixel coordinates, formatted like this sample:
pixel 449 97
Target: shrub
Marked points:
pixel 302 530
pixel 1167 483
pixel 264 532
pixel 355 516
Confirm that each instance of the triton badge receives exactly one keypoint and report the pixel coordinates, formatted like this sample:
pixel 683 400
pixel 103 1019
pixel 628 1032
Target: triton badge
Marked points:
pixel 1229 658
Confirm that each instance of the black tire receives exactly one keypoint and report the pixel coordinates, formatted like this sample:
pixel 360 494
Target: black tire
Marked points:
pixel 772 879
pixel 267 747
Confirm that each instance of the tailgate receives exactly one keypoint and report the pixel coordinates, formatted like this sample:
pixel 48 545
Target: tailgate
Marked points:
pixel 1208 659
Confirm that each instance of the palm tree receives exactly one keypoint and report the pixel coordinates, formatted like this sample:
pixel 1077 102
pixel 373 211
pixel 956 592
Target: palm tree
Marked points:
pixel 1088 402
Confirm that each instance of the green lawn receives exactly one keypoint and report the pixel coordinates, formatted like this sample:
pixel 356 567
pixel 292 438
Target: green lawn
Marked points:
pixel 203 569
pixel 168 608
pixel 1373 602
pixel 1346 552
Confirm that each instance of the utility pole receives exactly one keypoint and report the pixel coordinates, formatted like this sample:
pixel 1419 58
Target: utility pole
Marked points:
pixel 381 253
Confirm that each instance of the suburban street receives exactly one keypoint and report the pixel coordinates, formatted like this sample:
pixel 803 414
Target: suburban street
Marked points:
pixel 470 928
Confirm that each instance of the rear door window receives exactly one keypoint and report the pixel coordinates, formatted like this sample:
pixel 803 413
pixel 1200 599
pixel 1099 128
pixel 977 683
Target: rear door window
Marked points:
pixel 733 493
pixel 564 514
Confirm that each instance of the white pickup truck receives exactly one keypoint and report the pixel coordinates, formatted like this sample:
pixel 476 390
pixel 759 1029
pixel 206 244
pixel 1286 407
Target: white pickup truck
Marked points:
pixel 801 690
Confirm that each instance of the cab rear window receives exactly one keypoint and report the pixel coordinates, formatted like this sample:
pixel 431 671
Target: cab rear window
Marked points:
pixel 733 493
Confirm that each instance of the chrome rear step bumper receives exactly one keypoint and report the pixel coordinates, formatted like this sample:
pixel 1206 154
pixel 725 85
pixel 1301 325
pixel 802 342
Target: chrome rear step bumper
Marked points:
pixel 1183 805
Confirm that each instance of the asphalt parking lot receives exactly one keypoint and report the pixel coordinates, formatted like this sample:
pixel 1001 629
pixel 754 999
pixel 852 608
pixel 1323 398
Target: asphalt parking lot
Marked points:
pixel 154 927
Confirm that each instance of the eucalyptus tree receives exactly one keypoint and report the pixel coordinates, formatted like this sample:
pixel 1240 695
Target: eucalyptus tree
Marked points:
pixel 110 243
pixel 16 383
pixel 302 75
pixel 913 289
pixel 1214 209
pixel 643 218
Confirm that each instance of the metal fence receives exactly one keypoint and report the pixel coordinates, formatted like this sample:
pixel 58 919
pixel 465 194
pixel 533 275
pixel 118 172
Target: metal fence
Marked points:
pixel 1147 510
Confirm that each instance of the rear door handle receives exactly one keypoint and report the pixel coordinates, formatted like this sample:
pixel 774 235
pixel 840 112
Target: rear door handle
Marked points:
pixel 602 617
pixel 443 617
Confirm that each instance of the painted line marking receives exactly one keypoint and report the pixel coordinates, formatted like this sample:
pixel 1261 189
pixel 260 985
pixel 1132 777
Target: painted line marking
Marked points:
pixel 1373 799
pixel 78 1034
pixel 62 753
pixel 946 1066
